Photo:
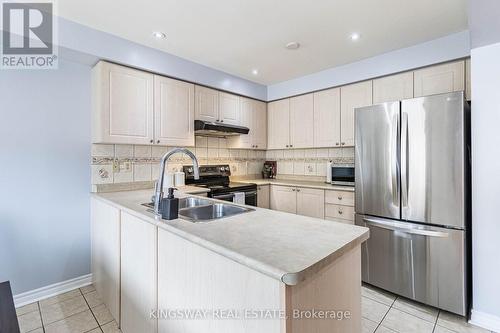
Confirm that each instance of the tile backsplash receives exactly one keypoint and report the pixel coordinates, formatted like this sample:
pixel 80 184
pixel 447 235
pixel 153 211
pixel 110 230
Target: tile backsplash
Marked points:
pixel 125 164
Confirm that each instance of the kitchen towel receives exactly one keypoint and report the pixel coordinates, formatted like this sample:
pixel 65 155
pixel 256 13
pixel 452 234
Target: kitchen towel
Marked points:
pixel 239 198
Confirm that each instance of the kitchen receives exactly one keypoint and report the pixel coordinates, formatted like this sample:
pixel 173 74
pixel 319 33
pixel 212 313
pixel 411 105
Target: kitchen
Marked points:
pixel 251 181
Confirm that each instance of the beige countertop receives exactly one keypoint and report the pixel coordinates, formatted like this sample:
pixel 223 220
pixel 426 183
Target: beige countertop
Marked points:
pixel 299 183
pixel 284 246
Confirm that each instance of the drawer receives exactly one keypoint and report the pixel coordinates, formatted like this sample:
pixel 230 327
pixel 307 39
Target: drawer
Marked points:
pixel 345 198
pixel 339 212
pixel 339 220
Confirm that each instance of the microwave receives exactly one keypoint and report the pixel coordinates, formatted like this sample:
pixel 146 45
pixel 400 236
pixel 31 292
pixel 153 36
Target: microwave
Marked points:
pixel 343 175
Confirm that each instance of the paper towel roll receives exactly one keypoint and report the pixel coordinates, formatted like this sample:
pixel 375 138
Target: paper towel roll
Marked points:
pixel 329 172
pixel 179 178
pixel 168 181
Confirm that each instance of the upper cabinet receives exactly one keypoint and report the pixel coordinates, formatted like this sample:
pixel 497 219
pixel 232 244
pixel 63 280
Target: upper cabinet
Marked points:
pixel 440 79
pixel 206 104
pixel 136 107
pixel 352 96
pixel 216 106
pixel 278 120
pixel 174 112
pixel 301 121
pixel 253 114
pixel 122 104
pixel 327 118
pixel 393 88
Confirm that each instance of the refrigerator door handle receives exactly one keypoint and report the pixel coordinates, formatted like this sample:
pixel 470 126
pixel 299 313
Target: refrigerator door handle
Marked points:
pixel 395 157
pixel 404 159
pixel 395 226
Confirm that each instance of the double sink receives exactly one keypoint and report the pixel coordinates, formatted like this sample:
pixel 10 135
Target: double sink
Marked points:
pixel 204 210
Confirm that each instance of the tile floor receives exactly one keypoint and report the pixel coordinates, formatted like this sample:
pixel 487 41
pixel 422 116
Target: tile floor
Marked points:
pixel 81 310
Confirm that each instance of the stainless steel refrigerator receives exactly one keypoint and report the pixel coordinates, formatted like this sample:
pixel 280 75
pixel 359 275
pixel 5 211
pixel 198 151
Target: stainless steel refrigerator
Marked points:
pixel 412 185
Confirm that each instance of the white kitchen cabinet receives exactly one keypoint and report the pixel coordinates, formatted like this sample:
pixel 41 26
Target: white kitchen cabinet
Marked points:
pixel 327 118
pixel 393 88
pixel 122 100
pixel 105 254
pixel 440 79
pixel 278 117
pixel 352 96
pixel 344 213
pixel 311 202
pixel 345 198
pixel 263 196
pixel 468 92
pixel 301 121
pixel 138 274
pixel 206 104
pixel 229 108
pixel 174 112
pixel 283 198
pixel 253 114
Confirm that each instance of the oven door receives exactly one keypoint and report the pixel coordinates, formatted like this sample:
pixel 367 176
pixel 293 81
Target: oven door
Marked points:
pixel 250 197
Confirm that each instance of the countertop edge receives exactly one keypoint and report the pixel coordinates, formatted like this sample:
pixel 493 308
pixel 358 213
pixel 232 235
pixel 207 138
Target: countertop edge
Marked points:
pixel 298 183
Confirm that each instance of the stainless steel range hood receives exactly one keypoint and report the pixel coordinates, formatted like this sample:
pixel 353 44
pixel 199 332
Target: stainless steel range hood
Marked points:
pixel 209 128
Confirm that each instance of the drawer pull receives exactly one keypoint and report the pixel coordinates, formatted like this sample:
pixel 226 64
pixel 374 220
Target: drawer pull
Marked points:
pixel 339 197
pixel 340 211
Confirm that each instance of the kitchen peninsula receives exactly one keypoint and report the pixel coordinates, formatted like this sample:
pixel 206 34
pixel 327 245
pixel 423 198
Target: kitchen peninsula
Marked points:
pixel 245 266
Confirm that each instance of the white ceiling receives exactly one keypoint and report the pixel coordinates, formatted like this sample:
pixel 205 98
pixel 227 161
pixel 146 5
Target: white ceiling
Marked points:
pixel 237 36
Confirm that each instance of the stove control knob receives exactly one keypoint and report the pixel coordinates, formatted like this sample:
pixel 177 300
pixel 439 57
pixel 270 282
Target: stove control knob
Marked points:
pixel 190 170
pixel 226 168
pixel 221 169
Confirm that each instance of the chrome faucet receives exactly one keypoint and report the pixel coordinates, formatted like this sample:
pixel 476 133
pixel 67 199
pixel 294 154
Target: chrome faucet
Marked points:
pixel 163 163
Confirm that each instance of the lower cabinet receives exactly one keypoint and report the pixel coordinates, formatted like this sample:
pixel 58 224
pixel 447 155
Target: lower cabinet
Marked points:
pixel 263 196
pixel 284 199
pixel 311 202
pixel 138 274
pixel 339 205
pixel 297 200
pixel 105 244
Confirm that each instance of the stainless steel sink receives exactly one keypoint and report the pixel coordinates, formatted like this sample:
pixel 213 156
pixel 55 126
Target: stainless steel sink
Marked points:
pixel 211 212
pixel 203 210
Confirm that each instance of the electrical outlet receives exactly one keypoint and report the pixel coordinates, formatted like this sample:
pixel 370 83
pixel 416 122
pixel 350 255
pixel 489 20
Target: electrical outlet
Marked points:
pixel 116 166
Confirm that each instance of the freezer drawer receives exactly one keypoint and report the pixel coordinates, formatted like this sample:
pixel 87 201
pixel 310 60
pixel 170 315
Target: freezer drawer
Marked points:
pixel 415 261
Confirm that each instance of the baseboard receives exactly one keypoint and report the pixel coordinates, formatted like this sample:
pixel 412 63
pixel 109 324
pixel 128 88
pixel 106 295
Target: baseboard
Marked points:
pixel 51 290
pixel 485 320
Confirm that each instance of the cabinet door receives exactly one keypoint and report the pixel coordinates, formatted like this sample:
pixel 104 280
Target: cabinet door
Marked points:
pixel 229 108
pixel 246 119
pixel 174 112
pixel 283 198
pixel 311 202
pixel 105 258
pixel 206 104
pixel 122 105
pixel 301 121
pixel 351 97
pixel 138 274
pixel 278 120
pixel 260 125
pixel 468 92
pixel 327 118
pixel 263 196
pixel 440 79
pixel 393 88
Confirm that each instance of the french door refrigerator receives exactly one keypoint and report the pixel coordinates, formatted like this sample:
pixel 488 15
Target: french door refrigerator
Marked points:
pixel 412 180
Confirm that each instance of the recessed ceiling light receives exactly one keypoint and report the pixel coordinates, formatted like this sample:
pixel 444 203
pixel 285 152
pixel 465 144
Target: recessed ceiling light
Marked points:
pixel 159 34
pixel 355 36
pixel 255 71
pixel 292 45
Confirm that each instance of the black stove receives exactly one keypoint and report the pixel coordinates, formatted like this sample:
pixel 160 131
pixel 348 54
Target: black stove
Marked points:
pixel 216 178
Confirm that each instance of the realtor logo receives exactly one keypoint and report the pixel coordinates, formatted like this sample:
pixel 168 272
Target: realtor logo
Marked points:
pixel 28 35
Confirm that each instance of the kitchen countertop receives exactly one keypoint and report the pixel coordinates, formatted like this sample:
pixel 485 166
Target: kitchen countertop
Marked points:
pixel 284 246
pixel 300 183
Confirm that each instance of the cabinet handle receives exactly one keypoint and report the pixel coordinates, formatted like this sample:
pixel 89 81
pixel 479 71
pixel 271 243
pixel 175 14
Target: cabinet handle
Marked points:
pixel 256 146
pixel 222 121
pixel 291 145
pixel 293 189
pixel 340 211
pixel 343 143
pixel 339 197
pixel 336 143
pixel 298 190
pixel 158 141
pixel 217 120
pixel 287 146
pixel 151 141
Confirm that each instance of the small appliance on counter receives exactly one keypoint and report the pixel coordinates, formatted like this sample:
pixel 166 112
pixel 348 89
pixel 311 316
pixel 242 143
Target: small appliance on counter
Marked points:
pixel 269 169
pixel 342 175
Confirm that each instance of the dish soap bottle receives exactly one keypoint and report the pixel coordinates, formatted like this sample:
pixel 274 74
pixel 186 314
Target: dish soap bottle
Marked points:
pixel 170 206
